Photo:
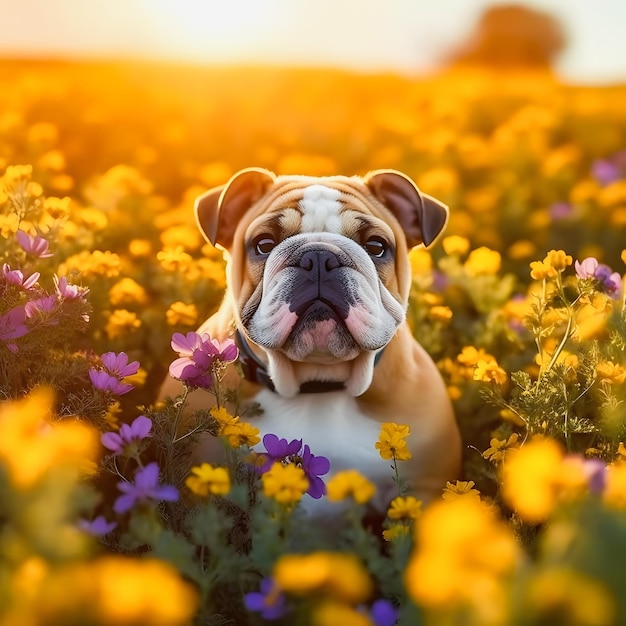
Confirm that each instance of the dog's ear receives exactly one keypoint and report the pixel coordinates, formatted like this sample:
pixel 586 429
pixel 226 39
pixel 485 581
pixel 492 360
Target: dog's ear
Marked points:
pixel 422 217
pixel 219 210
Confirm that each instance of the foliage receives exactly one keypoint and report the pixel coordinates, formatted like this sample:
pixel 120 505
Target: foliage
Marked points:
pixel 104 272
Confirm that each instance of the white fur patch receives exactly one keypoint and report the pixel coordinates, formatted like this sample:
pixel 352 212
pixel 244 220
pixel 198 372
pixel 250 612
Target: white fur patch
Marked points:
pixel 321 210
pixel 333 426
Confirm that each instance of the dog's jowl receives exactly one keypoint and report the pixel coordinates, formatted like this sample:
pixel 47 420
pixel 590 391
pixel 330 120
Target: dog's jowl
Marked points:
pixel 318 280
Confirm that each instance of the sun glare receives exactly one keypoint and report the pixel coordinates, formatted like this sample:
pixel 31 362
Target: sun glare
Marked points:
pixel 206 29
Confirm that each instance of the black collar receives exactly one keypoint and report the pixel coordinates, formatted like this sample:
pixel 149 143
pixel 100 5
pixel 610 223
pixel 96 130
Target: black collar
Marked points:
pixel 254 370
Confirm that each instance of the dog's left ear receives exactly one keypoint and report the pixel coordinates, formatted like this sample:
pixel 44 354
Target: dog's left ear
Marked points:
pixel 219 210
pixel 422 217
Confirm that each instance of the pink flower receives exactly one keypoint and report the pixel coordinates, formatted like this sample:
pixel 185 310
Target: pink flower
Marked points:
pixel 12 326
pixel 65 291
pixel 41 306
pixel 35 246
pixel 607 281
pixel 199 356
pixel 118 365
pixel 15 277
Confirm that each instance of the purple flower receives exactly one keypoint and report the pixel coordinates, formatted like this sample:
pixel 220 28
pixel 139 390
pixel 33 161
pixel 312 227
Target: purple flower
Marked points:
pixel 15 277
pixel 145 488
pixel 605 171
pixel 383 613
pixel 12 326
pixel 608 281
pixel 313 467
pixel 277 450
pixel 561 210
pixel 268 601
pixel 595 470
pixel 198 356
pixel 97 527
pixel 118 365
pixel 105 382
pixel 34 246
pixel 128 434
pixel 65 291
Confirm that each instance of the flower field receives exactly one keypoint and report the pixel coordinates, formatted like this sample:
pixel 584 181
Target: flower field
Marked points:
pixel 105 520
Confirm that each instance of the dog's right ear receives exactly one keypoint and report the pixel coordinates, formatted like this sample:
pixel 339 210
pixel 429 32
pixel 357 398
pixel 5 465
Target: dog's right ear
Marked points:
pixel 219 210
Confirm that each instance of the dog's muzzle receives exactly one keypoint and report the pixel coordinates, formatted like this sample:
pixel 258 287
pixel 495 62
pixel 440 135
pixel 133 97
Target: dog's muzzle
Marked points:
pixel 322 301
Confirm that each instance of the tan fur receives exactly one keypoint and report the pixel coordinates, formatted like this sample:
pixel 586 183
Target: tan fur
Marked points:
pixel 406 387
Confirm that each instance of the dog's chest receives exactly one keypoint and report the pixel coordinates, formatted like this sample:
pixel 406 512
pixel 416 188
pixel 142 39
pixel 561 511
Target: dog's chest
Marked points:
pixel 332 425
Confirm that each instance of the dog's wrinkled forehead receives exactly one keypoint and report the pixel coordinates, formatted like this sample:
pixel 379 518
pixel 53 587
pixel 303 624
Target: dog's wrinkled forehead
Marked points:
pixel 317 207
pixel 320 206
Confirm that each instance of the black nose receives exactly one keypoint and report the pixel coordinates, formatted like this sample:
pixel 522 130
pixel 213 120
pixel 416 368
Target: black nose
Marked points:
pixel 319 262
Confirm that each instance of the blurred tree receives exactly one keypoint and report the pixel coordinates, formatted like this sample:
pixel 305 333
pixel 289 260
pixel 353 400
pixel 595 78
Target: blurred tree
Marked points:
pixel 512 35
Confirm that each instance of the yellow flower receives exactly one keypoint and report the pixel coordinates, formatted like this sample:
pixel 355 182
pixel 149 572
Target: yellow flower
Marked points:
pixel 183 314
pixel 31 444
pixel 111 417
pixel 573 596
pixel 558 259
pixel 341 576
pixel 623 256
pixel 138 379
pixel 462 553
pixel 483 262
pixel 391 442
pixel 87 264
pixel 470 356
pixel 139 591
pixel 555 261
pixel 537 476
pixel 9 224
pixel 240 434
pixel 440 313
pixel 421 261
pixel 455 245
pixel 350 483
pixel 52 160
pixel 611 372
pixel 222 416
pixel 498 448
pixel 285 483
pixel 489 371
pixel 121 321
pixel 140 248
pixel 395 531
pixel 94 219
pixel 174 259
pixel 332 613
pixel 540 270
pixel 405 508
pixel 181 235
pixel 615 489
pixel 207 479
pixel 460 489
pixel 127 290
pixel 58 208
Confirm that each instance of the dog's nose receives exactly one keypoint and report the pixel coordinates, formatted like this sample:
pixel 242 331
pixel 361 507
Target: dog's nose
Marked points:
pixel 319 262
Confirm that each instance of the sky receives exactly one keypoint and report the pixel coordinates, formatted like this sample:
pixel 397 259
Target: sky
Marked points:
pixel 406 36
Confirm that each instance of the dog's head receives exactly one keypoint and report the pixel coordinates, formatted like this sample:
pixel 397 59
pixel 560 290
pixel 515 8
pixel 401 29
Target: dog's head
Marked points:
pixel 318 272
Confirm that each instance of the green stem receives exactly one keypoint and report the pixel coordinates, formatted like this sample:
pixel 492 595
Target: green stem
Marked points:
pixel 180 404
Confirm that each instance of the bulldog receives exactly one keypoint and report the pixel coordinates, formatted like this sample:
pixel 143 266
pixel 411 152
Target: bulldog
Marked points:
pixel 318 281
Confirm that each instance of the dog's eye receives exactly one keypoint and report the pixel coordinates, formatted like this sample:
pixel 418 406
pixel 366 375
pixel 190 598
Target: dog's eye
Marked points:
pixel 264 244
pixel 376 247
